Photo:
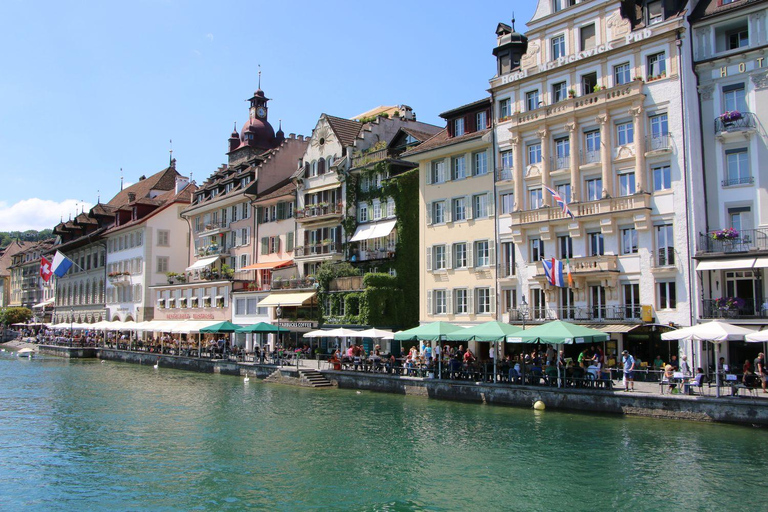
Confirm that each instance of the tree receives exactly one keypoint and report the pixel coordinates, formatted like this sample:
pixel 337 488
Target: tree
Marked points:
pixel 10 316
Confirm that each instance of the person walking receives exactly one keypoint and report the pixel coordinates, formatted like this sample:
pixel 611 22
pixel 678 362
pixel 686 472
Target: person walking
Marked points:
pixel 760 369
pixel 629 371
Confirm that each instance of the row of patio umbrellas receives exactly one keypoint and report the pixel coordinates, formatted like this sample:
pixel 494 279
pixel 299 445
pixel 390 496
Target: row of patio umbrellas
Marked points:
pixel 554 332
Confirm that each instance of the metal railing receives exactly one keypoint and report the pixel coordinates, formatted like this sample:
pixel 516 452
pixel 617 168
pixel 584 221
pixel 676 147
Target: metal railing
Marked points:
pixel 377 254
pixel 747 180
pixel 296 283
pixel 315 211
pixel 746 308
pixel 747 240
pixel 608 313
pixel 658 143
pixel 590 157
pixel 504 174
pixel 747 121
pixel 213 226
pixel 562 162
pixel 305 251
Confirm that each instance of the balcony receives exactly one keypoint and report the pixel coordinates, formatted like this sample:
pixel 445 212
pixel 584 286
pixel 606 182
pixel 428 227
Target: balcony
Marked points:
pixel 504 175
pixel 308 251
pixel 735 122
pixel 211 250
pixel 293 283
pixel 372 157
pixel 119 278
pixel 599 207
pixel 563 162
pixel 590 314
pixel 346 284
pixel 732 309
pixel 383 253
pixel 733 182
pixel 737 241
pixel 587 265
pixel 590 157
pixel 658 143
pixel 214 228
pixel 319 212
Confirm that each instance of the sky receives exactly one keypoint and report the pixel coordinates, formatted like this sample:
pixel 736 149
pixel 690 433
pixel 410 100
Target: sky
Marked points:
pixel 88 88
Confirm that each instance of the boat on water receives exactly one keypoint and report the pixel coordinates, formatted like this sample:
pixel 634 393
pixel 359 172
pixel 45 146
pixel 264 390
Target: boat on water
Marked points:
pixel 26 352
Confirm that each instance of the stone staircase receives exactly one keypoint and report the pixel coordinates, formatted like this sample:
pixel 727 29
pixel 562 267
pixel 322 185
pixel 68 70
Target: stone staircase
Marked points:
pixel 315 378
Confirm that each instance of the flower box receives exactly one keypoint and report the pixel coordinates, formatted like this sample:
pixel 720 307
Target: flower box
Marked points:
pixel 730 116
pixel 725 234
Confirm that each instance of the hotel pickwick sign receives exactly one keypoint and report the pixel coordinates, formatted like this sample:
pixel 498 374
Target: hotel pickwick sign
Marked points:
pixel 632 37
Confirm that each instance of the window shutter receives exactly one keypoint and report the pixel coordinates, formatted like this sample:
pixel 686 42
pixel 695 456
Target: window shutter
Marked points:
pixel 280 211
pixel 471 301
pixel 491 253
pixel 448 169
pixel 447 210
pixel 491 204
pixel 468 206
pixel 470 254
pixel 493 300
pixel 289 241
pixel 259 215
pixel 429 303
pixel 429 214
pixel 247 260
pixel 277 244
pixel 429 259
pixel 448 252
pixel 265 245
pixel 449 301
pixel 429 173
pixel 236 240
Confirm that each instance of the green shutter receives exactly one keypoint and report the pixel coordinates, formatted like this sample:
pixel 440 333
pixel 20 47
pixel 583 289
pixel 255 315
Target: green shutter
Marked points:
pixel 289 241
pixel 265 245
pixel 280 211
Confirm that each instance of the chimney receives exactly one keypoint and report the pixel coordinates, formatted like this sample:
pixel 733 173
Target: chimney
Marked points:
pixel 181 182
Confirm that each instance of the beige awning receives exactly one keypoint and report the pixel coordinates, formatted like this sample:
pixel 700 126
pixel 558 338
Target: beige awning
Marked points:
pixel 268 265
pixel 202 263
pixel 286 299
pixel 726 264
pixel 44 303
pixel 761 262
pixel 373 230
pixel 614 328
pixel 320 188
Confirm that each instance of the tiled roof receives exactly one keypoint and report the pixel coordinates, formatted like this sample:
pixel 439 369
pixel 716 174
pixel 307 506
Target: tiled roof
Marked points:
pixel 103 209
pixel 278 191
pixel 163 180
pixel 15 247
pixel 345 129
pixel 442 139
pixel 706 8
pixel 162 202
pixel 422 135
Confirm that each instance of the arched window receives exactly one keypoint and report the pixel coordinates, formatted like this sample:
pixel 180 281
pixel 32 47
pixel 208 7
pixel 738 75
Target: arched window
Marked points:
pixel 329 162
pixel 313 172
pixel 321 166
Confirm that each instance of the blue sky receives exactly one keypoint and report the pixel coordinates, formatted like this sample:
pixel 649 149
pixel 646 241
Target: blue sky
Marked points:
pixel 90 87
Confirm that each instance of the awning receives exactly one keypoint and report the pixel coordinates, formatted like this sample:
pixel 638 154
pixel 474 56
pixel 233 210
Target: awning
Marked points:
pixel 726 264
pixel 268 265
pixel 373 230
pixel 615 328
pixel 286 299
pixel 761 262
pixel 202 263
pixel 330 186
pixel 44 303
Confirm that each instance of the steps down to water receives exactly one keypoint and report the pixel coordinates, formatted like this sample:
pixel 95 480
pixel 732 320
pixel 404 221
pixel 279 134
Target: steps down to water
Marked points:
pixel 315 378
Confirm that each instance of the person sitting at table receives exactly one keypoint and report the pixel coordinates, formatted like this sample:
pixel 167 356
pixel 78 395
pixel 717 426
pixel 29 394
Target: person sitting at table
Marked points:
pixel 469 357
pixel 669 375
pixel 577 373
pixel 674 363
pixel 455 367
pixel 334 361
pixel 749 379
pixel 551 375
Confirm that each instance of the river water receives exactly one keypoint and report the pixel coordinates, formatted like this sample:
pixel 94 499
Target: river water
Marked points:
pixel 85 435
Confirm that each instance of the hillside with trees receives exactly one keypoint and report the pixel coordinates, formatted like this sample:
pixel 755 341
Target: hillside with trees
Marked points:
pixel 6 237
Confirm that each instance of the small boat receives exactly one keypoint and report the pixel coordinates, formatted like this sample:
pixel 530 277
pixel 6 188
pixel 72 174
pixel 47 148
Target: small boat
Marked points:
pixel 26 352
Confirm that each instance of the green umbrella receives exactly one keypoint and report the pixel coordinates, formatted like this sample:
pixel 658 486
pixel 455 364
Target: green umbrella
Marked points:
pixel 488 331
pixel 225 326
pixel 558 332
pixel 262 327
pixel 427 332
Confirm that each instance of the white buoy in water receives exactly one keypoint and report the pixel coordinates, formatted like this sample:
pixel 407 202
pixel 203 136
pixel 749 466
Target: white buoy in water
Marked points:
pixel 247 379
pixel 539 405
pixel 359 392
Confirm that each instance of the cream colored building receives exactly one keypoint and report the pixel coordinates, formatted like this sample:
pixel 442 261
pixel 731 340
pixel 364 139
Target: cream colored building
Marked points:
pixel 457 211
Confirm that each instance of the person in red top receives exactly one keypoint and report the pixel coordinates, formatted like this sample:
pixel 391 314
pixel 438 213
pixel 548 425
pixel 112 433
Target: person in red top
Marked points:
pixel 469 357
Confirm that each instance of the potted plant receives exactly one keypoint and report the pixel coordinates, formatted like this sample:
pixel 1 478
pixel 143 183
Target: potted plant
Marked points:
pixel 729 116
pixel 598 88
pixel 729 303
pixel 571 93
pixel 725 234
pixel 172 276
pixel 227 272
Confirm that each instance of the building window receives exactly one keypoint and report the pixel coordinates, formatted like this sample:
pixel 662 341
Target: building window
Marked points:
pixel 483 301
pixel 535 197
pixel 538 304
pixel 564 191
pixel 626 183
pixel 480 206
pixel 657 65
pixel 459 209
pixel 438 171
pixel 596 244
pixel 662 177
pixel 507 259
pixel 738 38
pixel 505 108
pixel 482 254
pixel 562 153
pixel 594 189
pixel 629 241
pixel 163 238
pixel 460 301
pixel 460 255
pixel 532 100
pixel 458 127
pixel 597 301
pixel 362 212
pixel 565 246
pixel 481 120
pixel 559 5
pixel 440 302
pixel 507 202
pixel 667 296
pixel 558 47
pixel 625 133
pixel 506 160
pixel 655 12
pixel 587 36
pixel 438 212
pixel 391 208
pixel 537 249
pixel 459 165
pixel 659 126
pixel 737 167
pixel 534 153
pixel 665 244
pixel 559 92
pixel 734 98
pixel 631 301
pixel 740 218
pixel 480 163
pixel 438 257
pixel 162 264
pixel 588 83
pixel 621 74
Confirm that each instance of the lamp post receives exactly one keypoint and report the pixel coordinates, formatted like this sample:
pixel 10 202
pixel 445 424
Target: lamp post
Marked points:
pixel 71 331
pixel 523 310
pixel 278 315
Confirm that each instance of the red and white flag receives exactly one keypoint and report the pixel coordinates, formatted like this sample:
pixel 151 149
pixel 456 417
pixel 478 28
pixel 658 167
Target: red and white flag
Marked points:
pixel 45 269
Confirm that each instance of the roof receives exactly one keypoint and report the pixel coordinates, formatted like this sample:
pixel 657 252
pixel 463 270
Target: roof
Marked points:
pixel 163 180
pixel 422 135
pixel 345 129
pixel 161 202
pixel 288 188
pixel 15 247
pixel 442 139
pixel 707 8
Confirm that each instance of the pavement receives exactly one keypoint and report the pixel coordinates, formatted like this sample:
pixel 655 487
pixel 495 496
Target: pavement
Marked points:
pixel 18 344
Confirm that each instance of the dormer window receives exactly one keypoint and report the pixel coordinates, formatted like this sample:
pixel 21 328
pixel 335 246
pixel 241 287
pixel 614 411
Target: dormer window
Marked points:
pixel 559 5
pixel 738 38
pixel 481 120
pixel 458 127
pixel 655 12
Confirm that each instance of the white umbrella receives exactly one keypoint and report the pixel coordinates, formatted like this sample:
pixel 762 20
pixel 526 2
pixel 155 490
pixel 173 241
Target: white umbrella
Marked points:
pixel 375 333
pixel 716 332
pixel 757 337
pixel 316 334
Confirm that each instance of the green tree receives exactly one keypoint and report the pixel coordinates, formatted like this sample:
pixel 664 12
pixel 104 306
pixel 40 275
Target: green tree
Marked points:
pixel 10 316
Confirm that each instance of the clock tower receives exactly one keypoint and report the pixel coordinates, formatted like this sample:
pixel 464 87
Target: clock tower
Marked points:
pixel 259 105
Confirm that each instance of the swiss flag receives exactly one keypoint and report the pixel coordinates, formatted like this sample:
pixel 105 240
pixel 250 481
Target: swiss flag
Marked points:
pixel 45 269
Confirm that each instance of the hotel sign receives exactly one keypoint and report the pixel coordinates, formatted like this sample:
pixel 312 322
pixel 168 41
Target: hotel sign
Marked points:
pixel 632 37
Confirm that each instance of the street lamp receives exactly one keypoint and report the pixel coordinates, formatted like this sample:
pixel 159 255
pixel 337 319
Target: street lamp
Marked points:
pixel 523 310
pixel 71 331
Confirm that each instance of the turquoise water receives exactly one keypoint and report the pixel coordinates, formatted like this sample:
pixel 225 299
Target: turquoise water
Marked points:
pixel 110 436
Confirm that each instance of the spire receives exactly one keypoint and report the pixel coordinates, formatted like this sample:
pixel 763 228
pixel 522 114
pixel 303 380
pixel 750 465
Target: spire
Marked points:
pixel 98 196
pixel 513 21
pixel 259 76
pixel 121 179
pixel 170 160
